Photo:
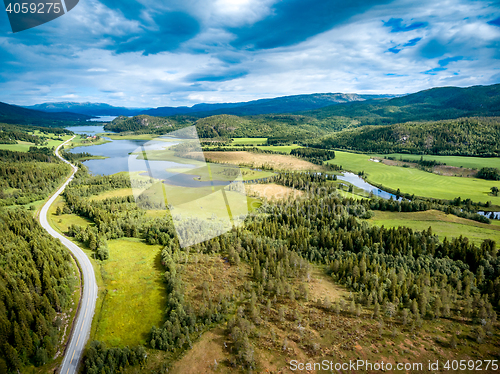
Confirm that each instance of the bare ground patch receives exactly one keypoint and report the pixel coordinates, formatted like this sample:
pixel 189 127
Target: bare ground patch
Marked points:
pixel 273 191
pixel 320 287
pixel 207 278
pixel 206 356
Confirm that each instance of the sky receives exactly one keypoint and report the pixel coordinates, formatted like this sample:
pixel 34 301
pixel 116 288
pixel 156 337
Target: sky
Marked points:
pixel 183 52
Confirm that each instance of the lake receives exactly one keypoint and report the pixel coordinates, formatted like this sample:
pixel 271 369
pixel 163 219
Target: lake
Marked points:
pixel 90 130
pixel 102 119
pixel 119 160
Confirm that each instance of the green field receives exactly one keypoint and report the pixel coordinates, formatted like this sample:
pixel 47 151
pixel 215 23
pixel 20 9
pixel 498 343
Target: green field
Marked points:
pixel 418 182
pixel 248 141
pixel 458 161
pixel 134 294
pixel 444 225
pixel 23 146
pixel 280 148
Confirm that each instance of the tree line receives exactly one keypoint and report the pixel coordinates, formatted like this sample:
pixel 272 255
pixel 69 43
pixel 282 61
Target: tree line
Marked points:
pixel 26 177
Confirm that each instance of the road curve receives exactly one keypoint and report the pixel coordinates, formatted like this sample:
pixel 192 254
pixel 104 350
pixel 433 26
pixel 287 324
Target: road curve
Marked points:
pixel 83 322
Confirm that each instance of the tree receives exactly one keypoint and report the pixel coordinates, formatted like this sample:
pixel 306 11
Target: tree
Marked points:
pixel 453 340
pixel 376 310
pixel 494 191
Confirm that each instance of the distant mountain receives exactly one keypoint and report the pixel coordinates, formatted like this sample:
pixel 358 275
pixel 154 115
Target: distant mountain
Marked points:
pixel 433 104
pixel 18 115
pixel 285 104
pixel 91 109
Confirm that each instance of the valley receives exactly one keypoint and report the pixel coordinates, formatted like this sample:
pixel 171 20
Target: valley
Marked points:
pixel 262 243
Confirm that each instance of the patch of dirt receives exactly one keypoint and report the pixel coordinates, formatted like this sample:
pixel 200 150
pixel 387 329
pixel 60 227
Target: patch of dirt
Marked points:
pixel 453 171
pixel 203 356
pixel 273 191
pixel 214 273
pixel 259 160
pixel 320 287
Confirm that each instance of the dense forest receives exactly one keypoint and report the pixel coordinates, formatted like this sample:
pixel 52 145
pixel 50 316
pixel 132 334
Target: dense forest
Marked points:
pixel 461 137
pixel 26 177
pixel 36 282
pixel 396 272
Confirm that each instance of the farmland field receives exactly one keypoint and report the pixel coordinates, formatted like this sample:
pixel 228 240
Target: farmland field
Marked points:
pixel 444 225
pixel 257 160
pixel 458 161
pixel 248 141
pixel 418 182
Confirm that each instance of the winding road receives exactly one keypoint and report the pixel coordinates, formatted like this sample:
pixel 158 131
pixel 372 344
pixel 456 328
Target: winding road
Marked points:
pixel 83 321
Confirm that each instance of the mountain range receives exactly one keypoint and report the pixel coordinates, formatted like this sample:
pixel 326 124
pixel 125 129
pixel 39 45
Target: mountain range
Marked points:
pixel 432 104
pixel 284 104
pixel 90 109
pixel 14 114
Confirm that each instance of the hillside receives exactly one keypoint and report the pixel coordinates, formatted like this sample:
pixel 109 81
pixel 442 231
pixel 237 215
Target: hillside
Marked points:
pixel 464 136
pixel 90 109
pixel 21 116
pixel 278 128
pixel 143 124
pixel 434 104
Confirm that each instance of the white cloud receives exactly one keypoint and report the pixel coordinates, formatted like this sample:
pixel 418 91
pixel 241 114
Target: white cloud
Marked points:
pixel 352 57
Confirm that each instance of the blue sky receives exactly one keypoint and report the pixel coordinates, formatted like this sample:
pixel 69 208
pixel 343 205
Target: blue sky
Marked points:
pixel 182 52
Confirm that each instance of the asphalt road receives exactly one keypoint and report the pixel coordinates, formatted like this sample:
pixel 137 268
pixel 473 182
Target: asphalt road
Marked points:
pixel 83 321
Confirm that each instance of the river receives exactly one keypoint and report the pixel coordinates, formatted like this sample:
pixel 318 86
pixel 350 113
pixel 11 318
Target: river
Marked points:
pixel 119 160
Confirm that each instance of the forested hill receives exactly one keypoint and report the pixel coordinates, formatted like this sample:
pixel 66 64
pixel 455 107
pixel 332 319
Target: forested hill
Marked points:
pixel 434 104
pixel 26 177
pixel 21 116
pixel 286 127
pixel 464 136
pixel 36 282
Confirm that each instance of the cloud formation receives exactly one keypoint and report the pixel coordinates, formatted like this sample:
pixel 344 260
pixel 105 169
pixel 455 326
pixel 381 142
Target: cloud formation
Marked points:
pixel 181 52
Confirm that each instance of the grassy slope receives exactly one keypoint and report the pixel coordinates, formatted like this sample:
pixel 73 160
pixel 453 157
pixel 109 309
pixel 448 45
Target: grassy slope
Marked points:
pixel 280 148
pixel 23 146
pixel 418 182
pixel 442 224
